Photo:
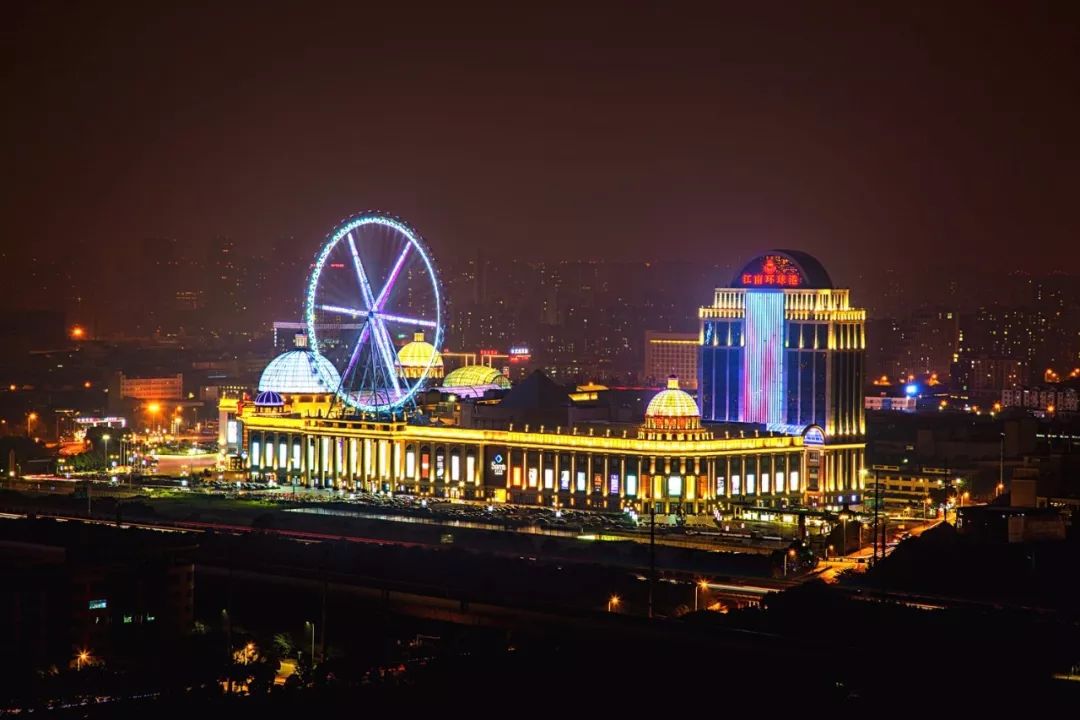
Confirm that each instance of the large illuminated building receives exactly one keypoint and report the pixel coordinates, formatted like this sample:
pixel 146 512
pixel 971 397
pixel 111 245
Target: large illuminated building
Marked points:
pixel 780 380
pixel 782 347
pixel 670 461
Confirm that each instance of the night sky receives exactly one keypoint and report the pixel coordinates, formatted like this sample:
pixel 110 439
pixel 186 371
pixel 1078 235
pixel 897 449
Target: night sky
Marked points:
pixel 867 136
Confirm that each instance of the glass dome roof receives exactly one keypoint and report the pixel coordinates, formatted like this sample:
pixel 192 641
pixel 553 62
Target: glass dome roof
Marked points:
pixel 418 354
pixel 300 371
pixel 473 375
pixel 672 402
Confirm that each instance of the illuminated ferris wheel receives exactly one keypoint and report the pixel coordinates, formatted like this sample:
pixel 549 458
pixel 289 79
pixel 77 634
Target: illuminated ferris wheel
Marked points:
pixel 372 285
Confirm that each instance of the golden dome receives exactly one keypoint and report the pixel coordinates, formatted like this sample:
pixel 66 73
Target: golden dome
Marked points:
pixel 672 403
pixel 416 357
pixel 673 415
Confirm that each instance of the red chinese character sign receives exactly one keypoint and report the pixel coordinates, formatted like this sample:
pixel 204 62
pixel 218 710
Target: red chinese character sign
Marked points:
pixel 772 270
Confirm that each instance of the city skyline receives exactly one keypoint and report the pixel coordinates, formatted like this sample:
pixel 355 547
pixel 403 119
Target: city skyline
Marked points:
pixel 726 131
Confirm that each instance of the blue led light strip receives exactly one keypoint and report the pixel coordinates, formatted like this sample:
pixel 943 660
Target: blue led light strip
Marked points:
pixel 763 370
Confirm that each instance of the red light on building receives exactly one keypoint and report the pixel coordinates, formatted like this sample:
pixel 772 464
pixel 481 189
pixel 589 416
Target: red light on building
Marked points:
pixel 775 270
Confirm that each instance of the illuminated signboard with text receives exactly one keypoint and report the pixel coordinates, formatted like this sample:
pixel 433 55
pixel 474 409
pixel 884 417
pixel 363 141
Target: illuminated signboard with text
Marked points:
pixel 773 271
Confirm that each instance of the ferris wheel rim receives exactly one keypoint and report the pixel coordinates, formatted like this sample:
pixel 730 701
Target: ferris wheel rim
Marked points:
pixel 409 237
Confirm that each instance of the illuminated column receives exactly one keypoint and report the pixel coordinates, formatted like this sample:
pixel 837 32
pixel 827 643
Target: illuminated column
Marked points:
pixel 573 473
pixel 289 457
pixel 324 459
pixel 303 438
pixel 557 483
pixel 622 479
pixel 589 488
pixel 541 486
pixel 350 463
pixel 338 460
pixel 361 448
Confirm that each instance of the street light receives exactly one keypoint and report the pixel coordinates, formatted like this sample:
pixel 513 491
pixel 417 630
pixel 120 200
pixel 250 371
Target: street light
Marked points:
pixel 82 657
pixel 307 623
pixel 843 541
pixel 701 585
pixel 613 603
pixel 30 418
pixel 789 554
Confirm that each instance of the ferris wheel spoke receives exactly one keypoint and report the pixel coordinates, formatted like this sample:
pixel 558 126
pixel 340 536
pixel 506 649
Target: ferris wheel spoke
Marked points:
pixel 391 279
pixel 360 342
pixel 406 320
pixel 386 350
pixel 361 275
pixel 351 312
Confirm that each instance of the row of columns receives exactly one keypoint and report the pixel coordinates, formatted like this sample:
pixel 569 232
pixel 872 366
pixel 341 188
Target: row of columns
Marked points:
pixel 330 461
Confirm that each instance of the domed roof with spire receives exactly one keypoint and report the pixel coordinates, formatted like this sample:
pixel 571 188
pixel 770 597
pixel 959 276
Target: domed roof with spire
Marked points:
pixel 672 414
pixel 300 372
pixel 672 403
pixel 415 357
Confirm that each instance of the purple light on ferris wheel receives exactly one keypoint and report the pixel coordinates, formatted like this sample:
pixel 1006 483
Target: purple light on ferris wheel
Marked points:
pixel 379 302
pixel 382 338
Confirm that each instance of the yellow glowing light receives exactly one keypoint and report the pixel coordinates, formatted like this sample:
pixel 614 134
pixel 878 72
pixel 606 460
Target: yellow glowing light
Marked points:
pixel 32 416
pixel 153 408
pixel 86 384
pixel 703 584
pixel 1049 408
pixel 11 388
pixel 78 333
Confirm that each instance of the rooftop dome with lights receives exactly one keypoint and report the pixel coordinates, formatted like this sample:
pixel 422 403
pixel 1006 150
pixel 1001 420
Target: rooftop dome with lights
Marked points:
pixel 474 381
pixel 415 357
pixel 300 372
pixel 269 401
pixel 673 415
pixel 269 398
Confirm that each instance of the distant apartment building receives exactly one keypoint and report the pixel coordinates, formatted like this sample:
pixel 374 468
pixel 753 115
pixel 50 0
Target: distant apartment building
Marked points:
pixel 168 387
pixel 987 377
pixel 899 404
pixel 1044 398
pixel 127 392
pixel 669 354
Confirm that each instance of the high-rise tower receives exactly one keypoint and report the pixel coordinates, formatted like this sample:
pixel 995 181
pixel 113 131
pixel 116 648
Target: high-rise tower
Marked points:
pixel 782 347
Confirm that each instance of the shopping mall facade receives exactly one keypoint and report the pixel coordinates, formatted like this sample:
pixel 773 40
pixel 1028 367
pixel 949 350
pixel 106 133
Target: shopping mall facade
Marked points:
pixel 778 444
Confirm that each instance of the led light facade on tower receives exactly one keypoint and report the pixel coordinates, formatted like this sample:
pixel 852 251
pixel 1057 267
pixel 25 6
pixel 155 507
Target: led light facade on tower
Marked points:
pixel 782 347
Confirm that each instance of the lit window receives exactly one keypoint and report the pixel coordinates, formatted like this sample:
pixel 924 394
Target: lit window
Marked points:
pixel 674 486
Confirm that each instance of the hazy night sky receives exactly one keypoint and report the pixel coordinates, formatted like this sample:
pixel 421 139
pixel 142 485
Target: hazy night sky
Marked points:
pixel 865 136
